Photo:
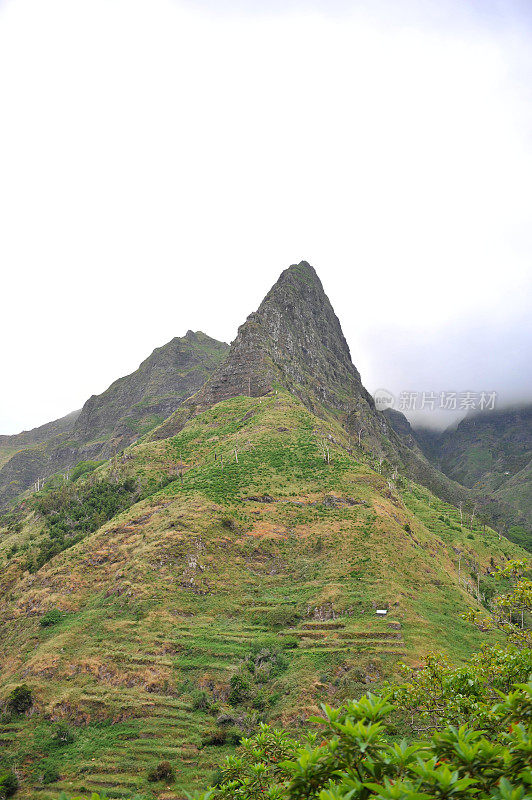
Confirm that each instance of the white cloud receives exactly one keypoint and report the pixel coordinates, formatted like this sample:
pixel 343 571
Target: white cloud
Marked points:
pixel 159 166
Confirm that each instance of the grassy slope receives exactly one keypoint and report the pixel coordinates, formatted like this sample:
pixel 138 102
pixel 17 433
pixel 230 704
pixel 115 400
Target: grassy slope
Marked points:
pixel 6 452
pixel 174 593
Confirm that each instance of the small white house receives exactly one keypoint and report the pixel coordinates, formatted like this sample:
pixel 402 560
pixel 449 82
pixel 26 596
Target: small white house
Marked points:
pixel 382 612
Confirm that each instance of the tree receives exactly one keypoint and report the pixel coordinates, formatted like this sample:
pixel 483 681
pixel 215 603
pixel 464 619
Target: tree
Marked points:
pixel 517 601
pixel 357 761
pixel 8 784
pixel 20 700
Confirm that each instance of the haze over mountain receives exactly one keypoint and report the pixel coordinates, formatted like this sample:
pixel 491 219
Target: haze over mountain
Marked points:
pixel 490 452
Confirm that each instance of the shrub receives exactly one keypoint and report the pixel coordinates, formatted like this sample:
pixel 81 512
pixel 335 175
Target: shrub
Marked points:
pixel 51 617
pixel 240 690
pixel 50 774
pixel 20 699
pixel 215 738
pixel 74 510
pixel 62 735
pixel 353 757
pixel 83 468
pixel 8 784
pixel 217 777
pixel 280 617
pixel 259 701
pixel 200 700
pixel 224 720
pixel 162 772
pixel 233 736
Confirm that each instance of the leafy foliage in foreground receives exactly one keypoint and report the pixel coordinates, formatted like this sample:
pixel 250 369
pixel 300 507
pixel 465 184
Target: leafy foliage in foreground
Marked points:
pixel 8 784
pixel 357 761
pixel 441 694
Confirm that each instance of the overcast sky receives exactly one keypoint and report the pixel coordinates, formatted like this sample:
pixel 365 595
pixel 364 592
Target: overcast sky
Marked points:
pixel 162 161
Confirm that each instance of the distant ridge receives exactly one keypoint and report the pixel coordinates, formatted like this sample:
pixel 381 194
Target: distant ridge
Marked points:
pixel 111 421
pixel 491 453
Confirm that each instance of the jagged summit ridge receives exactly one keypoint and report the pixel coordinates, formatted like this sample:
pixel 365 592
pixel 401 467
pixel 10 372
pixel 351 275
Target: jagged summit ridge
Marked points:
pixel 295 340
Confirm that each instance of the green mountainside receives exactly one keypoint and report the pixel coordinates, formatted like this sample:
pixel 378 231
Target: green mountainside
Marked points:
pixel 227 567
pixel 491 452
pixel 254 581
pixel 108 422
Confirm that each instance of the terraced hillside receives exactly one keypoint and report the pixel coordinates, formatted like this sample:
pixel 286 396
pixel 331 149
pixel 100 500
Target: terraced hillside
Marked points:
pixel 239 581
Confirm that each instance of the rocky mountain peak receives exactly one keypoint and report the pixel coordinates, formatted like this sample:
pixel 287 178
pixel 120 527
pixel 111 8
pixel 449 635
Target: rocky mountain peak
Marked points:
pixel 294 340
pixel 297 312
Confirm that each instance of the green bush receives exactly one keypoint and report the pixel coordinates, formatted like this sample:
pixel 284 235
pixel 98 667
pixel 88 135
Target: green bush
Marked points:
pixel 20 700
pixel 62 735
pixel 354 758
pixel 83 468
pixel 200 700
pixel 259 702
pixel 8 784
pixel 280 617
pixel 50 774
pixel 233 736
pixel 51 617
pixel 74 510
pixel 240 690
pixel 162 772
pixel 215 738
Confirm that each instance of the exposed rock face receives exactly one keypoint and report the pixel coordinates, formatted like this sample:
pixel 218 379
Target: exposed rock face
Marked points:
pixel 111 421
pixel 295 340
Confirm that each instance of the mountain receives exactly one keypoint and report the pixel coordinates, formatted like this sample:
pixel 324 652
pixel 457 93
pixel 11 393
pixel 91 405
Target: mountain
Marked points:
pixel 227 568
pixel 111 421
pixel 487 447
pixel 239 580
pixel 491 452
pixel 19 441
pixel 135 404
pixel 295 340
